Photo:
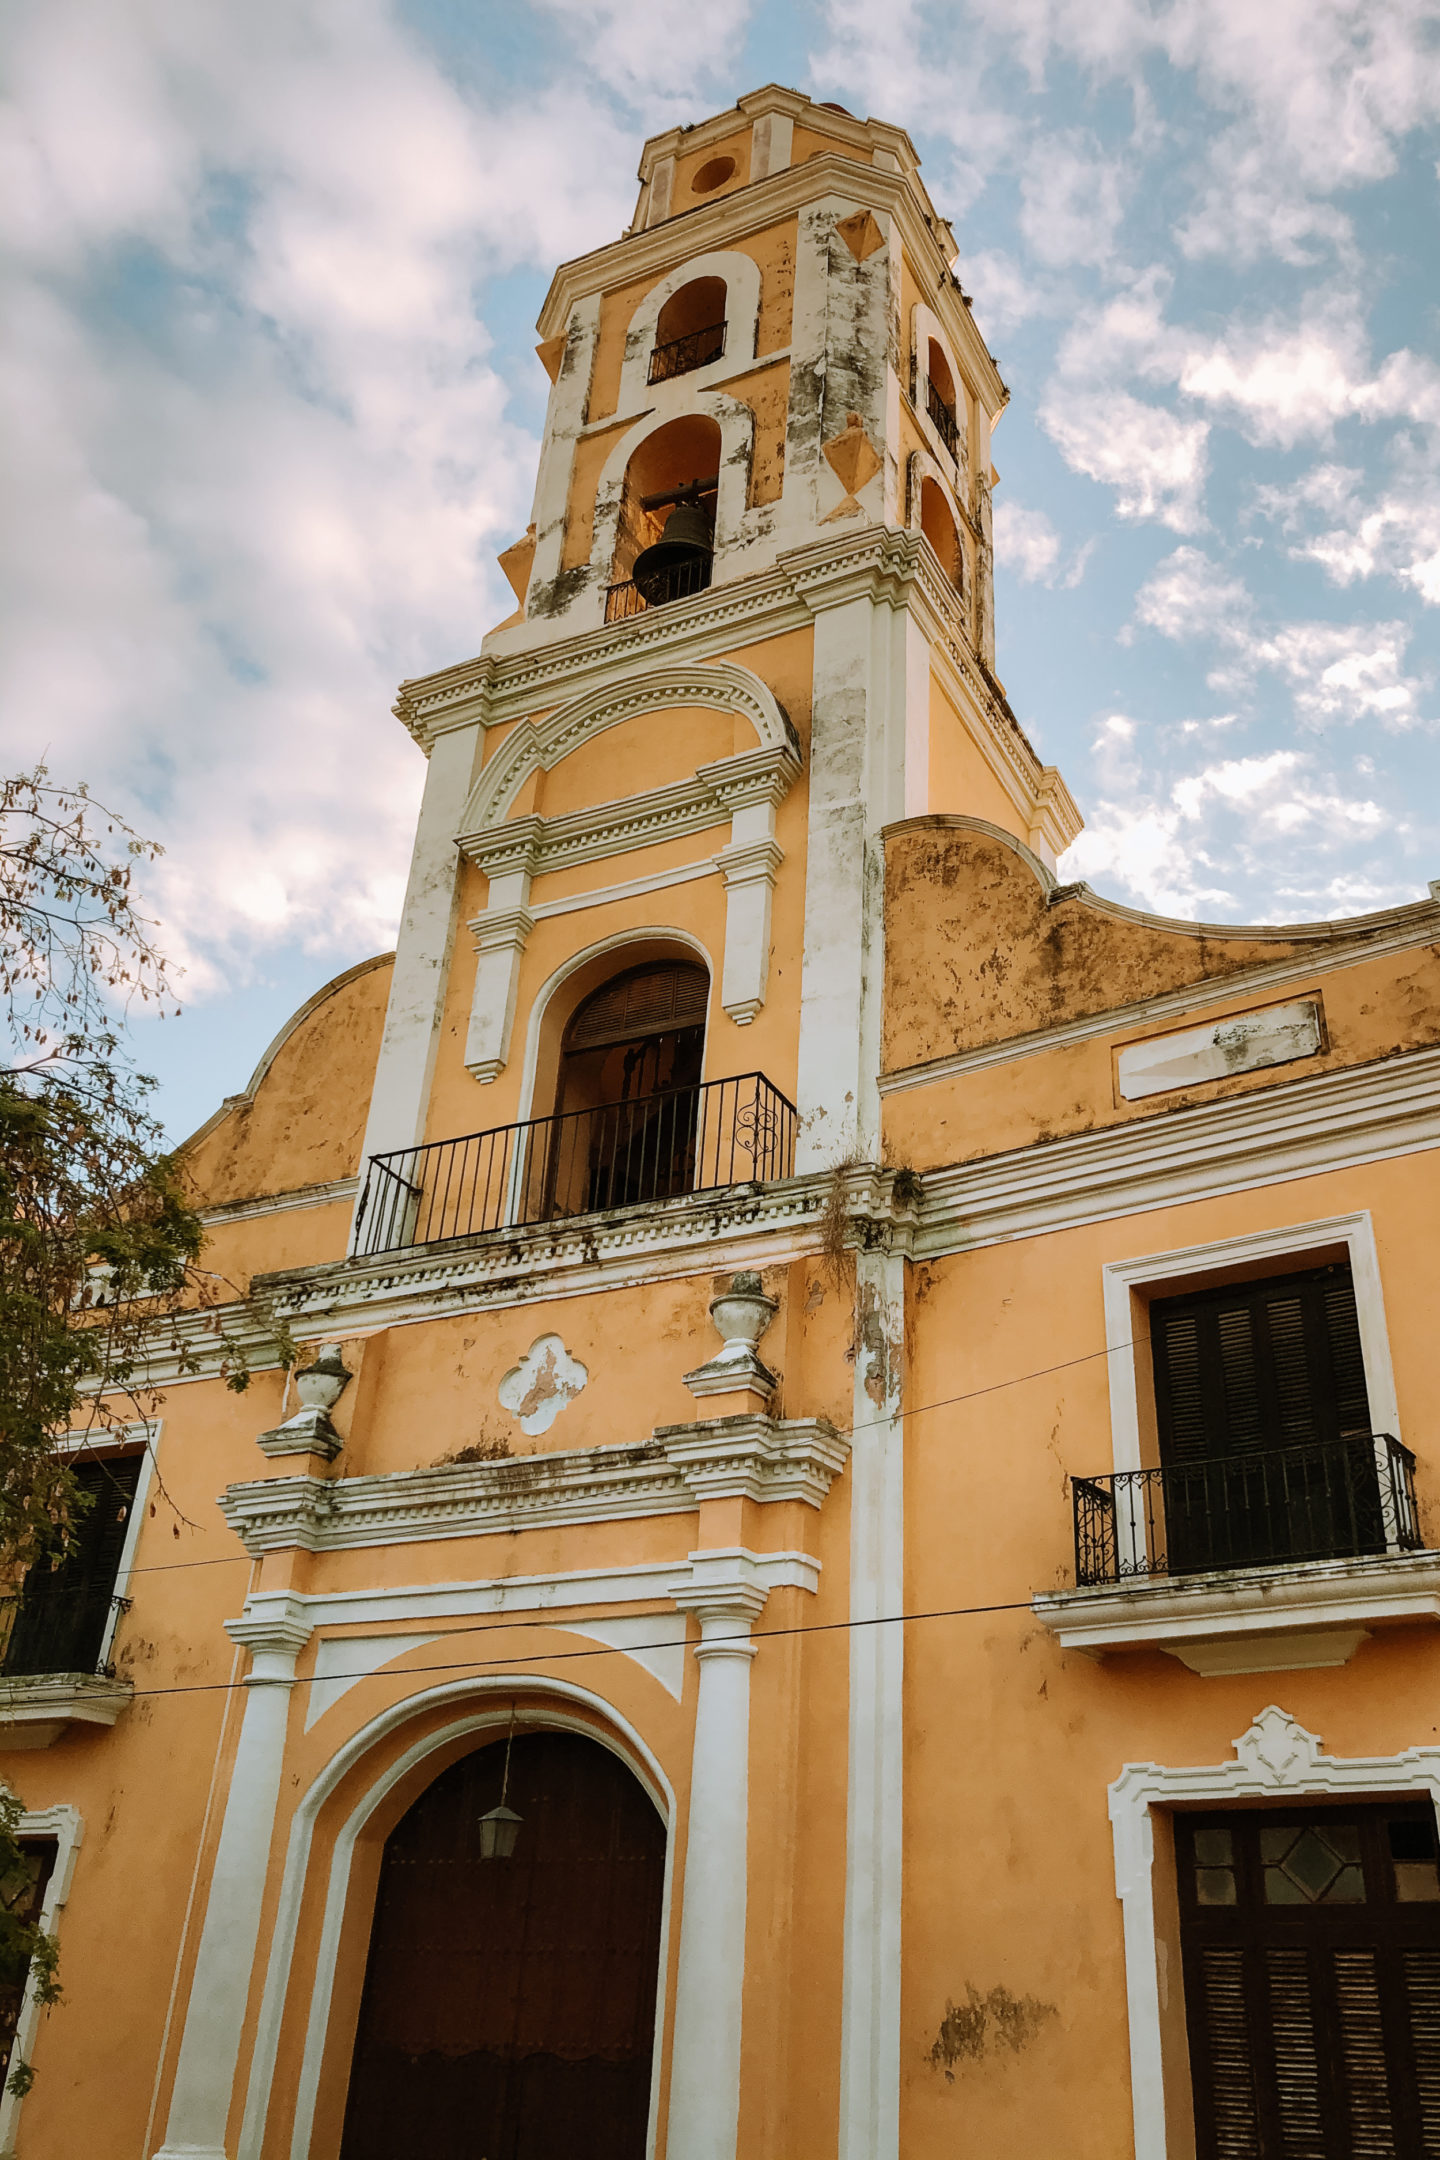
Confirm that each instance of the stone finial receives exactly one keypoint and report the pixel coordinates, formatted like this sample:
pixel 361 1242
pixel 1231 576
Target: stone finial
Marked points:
pixel 740 1316
pixel 319 1386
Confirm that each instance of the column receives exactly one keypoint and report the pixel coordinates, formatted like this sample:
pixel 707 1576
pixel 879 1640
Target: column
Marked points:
pixel 870 1990
pixel 220 1986
pixel 705 2051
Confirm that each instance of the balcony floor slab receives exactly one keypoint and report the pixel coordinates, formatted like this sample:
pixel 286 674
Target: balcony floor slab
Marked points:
pixel 1264 1619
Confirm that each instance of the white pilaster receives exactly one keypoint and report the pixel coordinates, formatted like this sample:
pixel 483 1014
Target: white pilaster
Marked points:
pixel 500 936
pixel 220 1986
pixel 422 954
pixel 857 785
pixel 749 867
pixel 726 1592
pixel 870 1999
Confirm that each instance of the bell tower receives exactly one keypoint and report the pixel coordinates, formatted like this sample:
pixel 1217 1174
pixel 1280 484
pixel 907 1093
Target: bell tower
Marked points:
pixel 754 625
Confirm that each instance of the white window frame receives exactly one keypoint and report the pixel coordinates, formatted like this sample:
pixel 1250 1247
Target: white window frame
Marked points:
pixel 1276 1758
pixel 1286 1243
pixel 143 1435
pixel 66 1825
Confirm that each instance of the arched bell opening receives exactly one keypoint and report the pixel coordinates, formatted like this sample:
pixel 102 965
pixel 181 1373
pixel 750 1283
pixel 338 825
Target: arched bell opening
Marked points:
pixel 938 526
pixel 509 2001
pixel 628 1089
pixel 689 330
pixel 940 397
pixel 665 545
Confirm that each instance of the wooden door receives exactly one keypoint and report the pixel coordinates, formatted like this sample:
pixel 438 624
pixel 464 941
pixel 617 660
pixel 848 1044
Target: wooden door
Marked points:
pixel 1311 1943
pixel 509 2005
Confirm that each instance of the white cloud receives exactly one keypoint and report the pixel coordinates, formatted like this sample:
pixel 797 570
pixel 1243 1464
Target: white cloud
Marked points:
pixel 1355 531
pixel 1188 595
pixel 1071 200
pixel 1155 462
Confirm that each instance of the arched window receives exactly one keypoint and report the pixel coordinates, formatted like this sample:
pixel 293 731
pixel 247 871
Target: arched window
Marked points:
pixel 690 329
pixel 627 1094
pixel 940 398
pixel 509 2004
pixel 675 471
pixel 938 526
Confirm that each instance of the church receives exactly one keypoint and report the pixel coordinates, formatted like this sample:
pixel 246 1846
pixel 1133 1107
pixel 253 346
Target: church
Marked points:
pixel 833 1550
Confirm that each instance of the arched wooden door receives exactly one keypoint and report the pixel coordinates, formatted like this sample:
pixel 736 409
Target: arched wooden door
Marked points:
pixel 509 2005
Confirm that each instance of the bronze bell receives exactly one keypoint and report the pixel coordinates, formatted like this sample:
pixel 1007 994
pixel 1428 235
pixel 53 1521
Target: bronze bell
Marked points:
pixel 679 561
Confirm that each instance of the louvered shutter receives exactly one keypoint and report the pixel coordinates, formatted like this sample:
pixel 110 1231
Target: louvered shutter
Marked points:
pixel 645 1001
pixel 65 1609
pixel 1314 2026
pixel 1258 1366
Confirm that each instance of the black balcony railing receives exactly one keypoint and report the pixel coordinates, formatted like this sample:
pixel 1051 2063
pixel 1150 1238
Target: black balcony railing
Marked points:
pixel 694 1139
pixel 947 426
pixel 678 356
pixel 1323 1500
pixel 50 1628
pixel 676 582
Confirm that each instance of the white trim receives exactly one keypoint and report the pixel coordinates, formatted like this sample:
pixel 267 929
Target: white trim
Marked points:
pixel 283 1203
pixel 1275 1758
pixel 67 1826
pixel 756 1458
pixel 1291 1129
pixel 1280 1243
pixel 121 1589
pixel 640 1761
pixel 632 889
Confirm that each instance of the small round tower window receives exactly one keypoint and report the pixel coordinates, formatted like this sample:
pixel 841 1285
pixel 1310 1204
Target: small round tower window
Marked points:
pixel 713 175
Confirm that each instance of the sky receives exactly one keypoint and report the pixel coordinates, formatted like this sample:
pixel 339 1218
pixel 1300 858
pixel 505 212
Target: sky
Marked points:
pixel 271 410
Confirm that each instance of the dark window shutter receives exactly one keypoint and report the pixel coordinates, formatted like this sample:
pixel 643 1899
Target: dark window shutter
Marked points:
pixel 645 1001
pixel 64 1608
pixel 1257 1366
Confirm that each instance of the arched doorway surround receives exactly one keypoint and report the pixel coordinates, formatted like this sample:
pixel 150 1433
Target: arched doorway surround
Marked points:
pixel 443 1719
pixel 509 2004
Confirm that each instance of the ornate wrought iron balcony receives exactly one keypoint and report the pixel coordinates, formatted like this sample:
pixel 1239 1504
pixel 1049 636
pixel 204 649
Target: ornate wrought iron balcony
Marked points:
pixel 51 1628
pixel 678 356
pixel 583 1162
pixel 946 424
pixel 1322 1500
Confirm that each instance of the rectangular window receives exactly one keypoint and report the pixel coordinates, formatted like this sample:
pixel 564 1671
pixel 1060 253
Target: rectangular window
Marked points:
pixel 24 1896
pixel 1263 1419
pixel 1311 1955
pixel 61 1619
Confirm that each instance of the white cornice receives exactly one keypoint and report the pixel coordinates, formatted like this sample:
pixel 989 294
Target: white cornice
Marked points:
pixel 1422 928
pixel 755 1458
pixel 710 796
pixel 281 1203
pixel 1297 1128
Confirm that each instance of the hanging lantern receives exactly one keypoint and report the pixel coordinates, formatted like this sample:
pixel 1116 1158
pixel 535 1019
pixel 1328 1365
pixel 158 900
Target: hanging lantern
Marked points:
pixel 501 1826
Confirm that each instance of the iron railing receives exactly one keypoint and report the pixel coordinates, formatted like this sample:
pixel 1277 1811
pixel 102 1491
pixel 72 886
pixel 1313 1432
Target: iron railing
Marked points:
pixel 944 418
pixel 50 1628
pixel 678 356
pixel 677 582
pixel 683 1140
pixel 1322 1500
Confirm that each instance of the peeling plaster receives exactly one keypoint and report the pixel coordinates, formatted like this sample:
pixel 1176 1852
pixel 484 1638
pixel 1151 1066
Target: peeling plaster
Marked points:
pixel 537 1389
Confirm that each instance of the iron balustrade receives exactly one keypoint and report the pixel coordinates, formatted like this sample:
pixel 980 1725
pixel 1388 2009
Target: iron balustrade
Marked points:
pixel 1320 1500
pixel 48 1628
pixel 580 1162
pixel 678 356
pixel 678 581
pixel 946 424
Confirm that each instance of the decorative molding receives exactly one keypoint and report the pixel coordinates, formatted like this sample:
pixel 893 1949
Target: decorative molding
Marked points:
pixel 1242 1042
pixel 1296 1128
pixel 1271 1619
pixel 537 745
pixel 740 1315
pixel 539 846
pixel 281 1203
pixel 756 1458
pixel 35 1711
pixel 1277 1758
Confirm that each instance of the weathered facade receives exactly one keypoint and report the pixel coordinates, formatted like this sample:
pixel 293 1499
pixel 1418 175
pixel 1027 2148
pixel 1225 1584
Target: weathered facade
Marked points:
pixel 877 1402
